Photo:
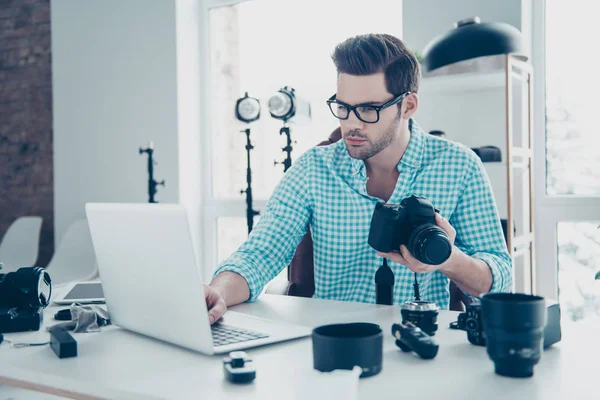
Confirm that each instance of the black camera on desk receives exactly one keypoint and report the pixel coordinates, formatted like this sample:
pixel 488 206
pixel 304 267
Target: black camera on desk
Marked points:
pixel 412 223
pixel 23 296
pixel 470 321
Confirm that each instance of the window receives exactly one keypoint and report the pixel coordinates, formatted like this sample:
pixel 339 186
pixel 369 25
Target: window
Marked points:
pixel 578 263
pixel 259 47
pixel 572 82
pixel 567 161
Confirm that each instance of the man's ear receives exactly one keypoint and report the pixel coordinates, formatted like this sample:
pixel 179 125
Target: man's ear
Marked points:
pixel 410 103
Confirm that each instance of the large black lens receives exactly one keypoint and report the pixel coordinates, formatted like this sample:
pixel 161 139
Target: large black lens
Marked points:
pixel 26 287
pixel 429 244
pixel 514 328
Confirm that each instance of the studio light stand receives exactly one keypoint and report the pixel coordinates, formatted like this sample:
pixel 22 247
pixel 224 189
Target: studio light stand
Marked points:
pixel 285 105
pixel 152 183
pixel 250 212
pixel 247 109
pixel 287 163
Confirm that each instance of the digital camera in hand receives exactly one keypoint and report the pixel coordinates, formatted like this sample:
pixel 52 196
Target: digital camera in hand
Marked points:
pixel 412 223
pixel 470 321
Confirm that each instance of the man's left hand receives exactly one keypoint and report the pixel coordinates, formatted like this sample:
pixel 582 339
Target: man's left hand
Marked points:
pixel 405 258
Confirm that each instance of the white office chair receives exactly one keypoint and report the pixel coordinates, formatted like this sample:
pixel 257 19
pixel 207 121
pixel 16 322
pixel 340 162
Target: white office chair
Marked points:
pixel 74 258
pixel 20 244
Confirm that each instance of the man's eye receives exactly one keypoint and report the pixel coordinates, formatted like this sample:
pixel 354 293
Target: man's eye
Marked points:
pixel 341 107
pixel 366 110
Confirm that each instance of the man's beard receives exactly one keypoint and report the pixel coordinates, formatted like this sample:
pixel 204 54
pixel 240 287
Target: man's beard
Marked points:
pixel 369 148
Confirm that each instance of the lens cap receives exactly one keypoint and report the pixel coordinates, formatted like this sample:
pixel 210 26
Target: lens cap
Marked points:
pixel 437 249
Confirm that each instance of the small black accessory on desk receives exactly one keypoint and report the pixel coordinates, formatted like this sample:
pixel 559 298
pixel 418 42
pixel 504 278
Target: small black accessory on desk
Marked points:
pixel 63 315
pixel 343 346
pixel 514 329
pixel 239 368
pixel 62 343
pixel 412 223
pixel 422 314
pixel 82 318
pixel 411 338
pixel 384 284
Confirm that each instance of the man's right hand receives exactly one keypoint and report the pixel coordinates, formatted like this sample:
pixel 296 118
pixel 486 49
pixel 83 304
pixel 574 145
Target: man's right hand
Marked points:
pixel 215 304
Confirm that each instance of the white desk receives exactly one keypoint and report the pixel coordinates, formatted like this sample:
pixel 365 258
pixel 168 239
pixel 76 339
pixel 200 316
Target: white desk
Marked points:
pixel 118 364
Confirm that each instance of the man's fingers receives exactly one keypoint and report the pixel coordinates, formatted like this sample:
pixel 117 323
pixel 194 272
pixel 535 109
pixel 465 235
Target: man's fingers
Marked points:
pixel 407 256
pixel 214 303
pixel 217 311
pixel 441 221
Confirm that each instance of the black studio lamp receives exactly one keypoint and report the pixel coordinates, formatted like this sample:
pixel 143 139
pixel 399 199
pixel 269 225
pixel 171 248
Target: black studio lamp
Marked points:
pixel 472 39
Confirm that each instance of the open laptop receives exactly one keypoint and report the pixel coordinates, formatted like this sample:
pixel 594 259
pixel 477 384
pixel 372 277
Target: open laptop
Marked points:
pixel 153 286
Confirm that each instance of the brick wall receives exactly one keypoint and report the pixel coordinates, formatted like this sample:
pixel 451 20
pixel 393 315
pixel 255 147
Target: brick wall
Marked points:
pixel 26 178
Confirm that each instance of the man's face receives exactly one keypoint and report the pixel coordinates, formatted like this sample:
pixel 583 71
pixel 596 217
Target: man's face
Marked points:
pixel 364 140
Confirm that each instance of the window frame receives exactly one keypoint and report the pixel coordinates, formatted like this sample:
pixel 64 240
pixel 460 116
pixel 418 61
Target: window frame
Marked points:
pixel 549 209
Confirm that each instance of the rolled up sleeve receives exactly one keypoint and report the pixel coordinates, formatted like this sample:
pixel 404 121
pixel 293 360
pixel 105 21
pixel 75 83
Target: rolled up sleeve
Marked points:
pixel 282 225
pixel 478 229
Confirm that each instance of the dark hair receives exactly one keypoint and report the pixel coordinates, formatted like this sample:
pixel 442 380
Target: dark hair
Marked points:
pixel 373 53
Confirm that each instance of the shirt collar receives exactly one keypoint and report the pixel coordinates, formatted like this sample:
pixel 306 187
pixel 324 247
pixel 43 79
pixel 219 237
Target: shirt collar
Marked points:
pixel 412 156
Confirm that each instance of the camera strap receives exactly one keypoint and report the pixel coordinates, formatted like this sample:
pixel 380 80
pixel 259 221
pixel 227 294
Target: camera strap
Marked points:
pixel 416 286
pixel 384 284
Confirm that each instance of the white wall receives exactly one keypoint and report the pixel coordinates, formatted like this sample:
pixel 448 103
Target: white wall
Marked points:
pixel 124 73
pixel 190 70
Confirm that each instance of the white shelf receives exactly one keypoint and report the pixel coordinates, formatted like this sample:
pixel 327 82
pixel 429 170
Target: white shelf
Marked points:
pixel 460 83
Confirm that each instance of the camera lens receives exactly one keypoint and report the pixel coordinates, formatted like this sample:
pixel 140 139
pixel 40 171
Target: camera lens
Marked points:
pixel 26 287
pixel 422 314
pixel 429 244
pixel 514 328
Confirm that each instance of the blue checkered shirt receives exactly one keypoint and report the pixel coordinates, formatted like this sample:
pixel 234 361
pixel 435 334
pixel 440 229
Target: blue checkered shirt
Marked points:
pixel 325 189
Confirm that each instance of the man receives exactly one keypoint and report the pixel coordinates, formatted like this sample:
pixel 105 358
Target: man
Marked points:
pixel 384 155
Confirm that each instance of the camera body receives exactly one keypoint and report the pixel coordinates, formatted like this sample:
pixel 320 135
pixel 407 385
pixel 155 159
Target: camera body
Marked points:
pixel 471 321
pixel 412 223
pixel 23 296
pixel 15 319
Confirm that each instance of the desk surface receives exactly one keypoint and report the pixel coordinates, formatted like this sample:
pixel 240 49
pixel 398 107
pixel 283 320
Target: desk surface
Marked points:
pixel 116 363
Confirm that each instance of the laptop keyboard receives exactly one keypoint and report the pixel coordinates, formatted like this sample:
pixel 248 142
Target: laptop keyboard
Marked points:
pixel 226 334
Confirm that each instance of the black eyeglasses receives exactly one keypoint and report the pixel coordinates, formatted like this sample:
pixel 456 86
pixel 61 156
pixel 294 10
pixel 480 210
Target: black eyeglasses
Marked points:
pixel 365 112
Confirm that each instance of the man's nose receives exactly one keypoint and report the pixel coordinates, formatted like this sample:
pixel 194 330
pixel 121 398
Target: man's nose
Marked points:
pixel 352 122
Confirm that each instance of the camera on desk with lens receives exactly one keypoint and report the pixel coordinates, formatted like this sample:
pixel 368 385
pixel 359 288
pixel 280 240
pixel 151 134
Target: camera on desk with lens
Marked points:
pixel 23 296
pixel 471 321
pixel 410 223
